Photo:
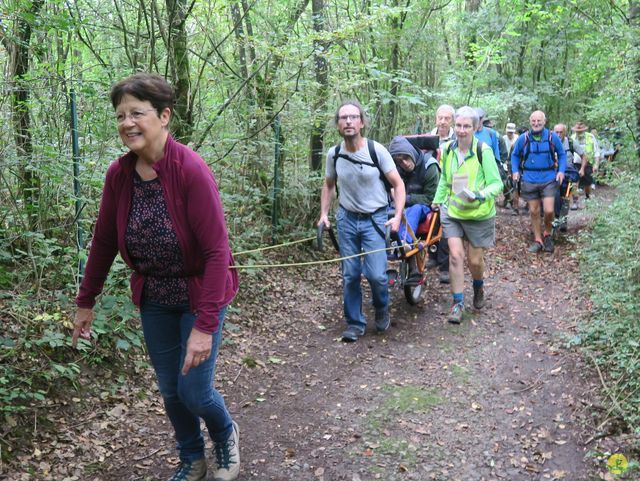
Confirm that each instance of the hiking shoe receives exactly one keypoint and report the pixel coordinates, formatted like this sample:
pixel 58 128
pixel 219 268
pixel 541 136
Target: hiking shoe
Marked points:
pixel 455 316
pixel 574 206
pixel 515 211
pixel 352 333
pixel 191 471
pixel 563 226
pixel 548 243
pixel 535 247
pixel 228 457
pixel 382 319
pixel 444 277
pixel 478 297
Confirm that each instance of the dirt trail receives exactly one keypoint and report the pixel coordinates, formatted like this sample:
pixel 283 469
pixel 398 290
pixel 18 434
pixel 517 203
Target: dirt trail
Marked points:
pixel 497 397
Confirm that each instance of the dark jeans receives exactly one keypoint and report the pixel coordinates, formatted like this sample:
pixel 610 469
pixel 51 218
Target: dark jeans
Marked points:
pixel 441 256
pixel 191 397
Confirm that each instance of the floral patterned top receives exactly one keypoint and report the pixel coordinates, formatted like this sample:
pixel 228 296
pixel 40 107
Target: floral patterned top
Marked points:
pixel 153 245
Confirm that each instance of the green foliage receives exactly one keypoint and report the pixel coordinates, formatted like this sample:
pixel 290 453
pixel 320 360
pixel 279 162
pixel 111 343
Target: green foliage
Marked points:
pixel 610 270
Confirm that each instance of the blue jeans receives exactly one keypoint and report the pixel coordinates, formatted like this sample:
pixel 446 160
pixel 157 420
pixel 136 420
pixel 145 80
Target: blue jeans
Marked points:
pixel 356 234
pixel 191 397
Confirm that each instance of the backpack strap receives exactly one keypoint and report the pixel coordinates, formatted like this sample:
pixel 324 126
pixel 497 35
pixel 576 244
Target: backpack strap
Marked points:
pixel 374 159
pixel 526 150
pixel 478 153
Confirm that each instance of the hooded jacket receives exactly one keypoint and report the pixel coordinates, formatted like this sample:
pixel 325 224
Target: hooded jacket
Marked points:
pixel 422 182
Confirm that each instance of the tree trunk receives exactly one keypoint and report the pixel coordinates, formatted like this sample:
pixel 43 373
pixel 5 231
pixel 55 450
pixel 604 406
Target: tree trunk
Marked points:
pixel 241 56
pixel 178 50
pixel 322 78
pixel 18 48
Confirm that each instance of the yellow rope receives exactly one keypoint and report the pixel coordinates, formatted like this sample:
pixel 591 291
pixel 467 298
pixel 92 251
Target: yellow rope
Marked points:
pixel 273 247
pixel 310 263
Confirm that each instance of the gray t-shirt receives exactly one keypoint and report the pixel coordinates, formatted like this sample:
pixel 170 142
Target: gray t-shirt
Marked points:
pixel 360 187
pixel 577 148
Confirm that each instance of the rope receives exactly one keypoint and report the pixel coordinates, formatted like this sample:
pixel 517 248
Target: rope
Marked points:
pixel 274 247
pixel 311 263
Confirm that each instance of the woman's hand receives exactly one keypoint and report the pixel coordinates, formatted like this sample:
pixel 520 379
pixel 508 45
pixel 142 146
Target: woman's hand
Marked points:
pixel 198 349
pixel 82 325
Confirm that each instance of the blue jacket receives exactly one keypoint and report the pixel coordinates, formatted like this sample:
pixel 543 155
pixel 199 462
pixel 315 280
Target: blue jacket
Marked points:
pixel 489 137
pixel 540 166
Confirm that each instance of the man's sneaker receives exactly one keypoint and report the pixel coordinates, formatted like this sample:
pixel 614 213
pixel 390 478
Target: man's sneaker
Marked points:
pixel 455 316
pixel 352 333
pixel 547 243
pixel 191 471
pixel 444 277
pixel 535 247
pixel 478 297
pixel 227 455
pixel 382 319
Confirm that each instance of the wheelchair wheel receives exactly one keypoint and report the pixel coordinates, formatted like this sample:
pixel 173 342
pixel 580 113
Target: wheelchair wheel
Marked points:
pixel 413 293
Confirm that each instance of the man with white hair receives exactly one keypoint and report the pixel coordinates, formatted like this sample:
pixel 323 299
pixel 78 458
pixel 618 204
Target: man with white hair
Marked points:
pixel 444 124
pixel 534 158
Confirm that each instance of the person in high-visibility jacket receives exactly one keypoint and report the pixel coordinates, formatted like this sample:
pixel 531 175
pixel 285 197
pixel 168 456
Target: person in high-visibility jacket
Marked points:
pixel 466 193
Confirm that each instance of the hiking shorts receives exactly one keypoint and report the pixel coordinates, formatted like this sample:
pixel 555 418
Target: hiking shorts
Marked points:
pixel 530 191
pixel 587 178
pixel 479 233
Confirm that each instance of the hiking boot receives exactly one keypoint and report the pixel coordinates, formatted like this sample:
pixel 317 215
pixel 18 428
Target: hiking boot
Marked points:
pixel 352 333
pixel 382 319
pixel 547 243
pixel 444 277
pixel 535 247
pixel 478 297
pixel 515 211
pixel 228 457
pixel 574 206
pixel 563 226
pixel 455 316
pixel 191 471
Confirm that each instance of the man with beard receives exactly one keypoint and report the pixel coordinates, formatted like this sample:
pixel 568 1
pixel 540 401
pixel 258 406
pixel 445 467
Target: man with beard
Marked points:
pixel 366 172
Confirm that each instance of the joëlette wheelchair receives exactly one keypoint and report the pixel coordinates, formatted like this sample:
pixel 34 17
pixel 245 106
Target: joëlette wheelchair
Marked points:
pixel 400 254
pixel 416 249
pixel 424 240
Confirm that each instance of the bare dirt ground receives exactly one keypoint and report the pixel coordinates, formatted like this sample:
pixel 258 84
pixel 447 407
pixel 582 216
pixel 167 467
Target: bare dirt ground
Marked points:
pixel 498 397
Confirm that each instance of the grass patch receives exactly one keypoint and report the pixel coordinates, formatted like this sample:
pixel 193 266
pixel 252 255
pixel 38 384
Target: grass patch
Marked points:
pixel 410 399
pixel 609 257
pixel 460 373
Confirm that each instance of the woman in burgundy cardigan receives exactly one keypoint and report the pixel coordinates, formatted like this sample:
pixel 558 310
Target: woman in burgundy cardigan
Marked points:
pixel 161 211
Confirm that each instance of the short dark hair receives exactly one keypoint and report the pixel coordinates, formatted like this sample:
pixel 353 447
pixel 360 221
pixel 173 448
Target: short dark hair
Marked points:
pixel 356 104
pixel 145 86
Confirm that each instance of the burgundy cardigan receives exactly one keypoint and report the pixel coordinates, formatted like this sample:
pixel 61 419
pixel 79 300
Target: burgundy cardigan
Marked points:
pixel 195 209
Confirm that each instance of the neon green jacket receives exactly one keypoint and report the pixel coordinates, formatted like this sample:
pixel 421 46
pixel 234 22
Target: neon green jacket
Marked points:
pixel 484 179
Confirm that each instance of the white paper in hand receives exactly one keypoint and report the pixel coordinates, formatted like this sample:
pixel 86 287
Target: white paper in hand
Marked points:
pixel 467 195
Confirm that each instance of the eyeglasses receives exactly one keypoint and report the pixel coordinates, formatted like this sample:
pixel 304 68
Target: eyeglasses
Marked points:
pixel 349 117
pixel 135 116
